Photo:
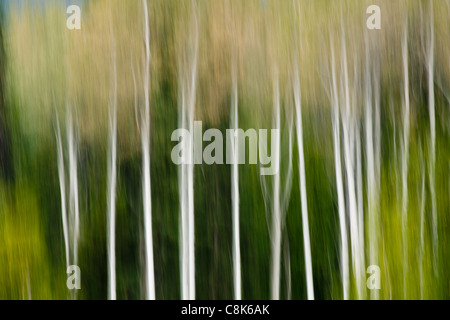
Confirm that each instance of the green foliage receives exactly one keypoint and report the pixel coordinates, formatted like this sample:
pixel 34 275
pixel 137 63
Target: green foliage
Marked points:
pixel 42 66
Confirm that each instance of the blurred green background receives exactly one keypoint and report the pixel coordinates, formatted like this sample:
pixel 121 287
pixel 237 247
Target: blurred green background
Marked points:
pixel 48 72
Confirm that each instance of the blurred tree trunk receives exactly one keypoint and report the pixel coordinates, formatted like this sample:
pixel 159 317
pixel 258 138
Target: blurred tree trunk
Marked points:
pixel 339 181
pixel 6 167
pixel 303 195
pixel 112 174
pixel 235 191
pixel 145 131
pixel 405 161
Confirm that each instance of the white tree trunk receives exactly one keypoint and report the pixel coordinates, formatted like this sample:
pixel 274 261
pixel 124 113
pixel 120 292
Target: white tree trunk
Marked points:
pixel 186 186
pixel 191 227
pixel 347 119
pixel 62 188
pixel 235 194
pixel 112 171
pixel 372 197
pixel 146 182
pixel 303 196
pixel 71 221
pixel 276 214
pixel 182 187
pixel 339 183
pixel 73 191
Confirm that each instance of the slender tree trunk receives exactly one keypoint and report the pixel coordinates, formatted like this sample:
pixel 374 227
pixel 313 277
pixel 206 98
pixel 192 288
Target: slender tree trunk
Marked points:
pixel 305 223
pixel 191 226
pixel 422 236
pixel 71 221
pixel 182 187
pixel 372 198
pixel 349 166
pixel 339 183
pixel 276 214
pixel 235 194
pixel 360 209
pixel 112 172
pixel 187 237
pixel 62 188
pixel 146 182
pixel 432 154
pixel 405 161
pixel 73 195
